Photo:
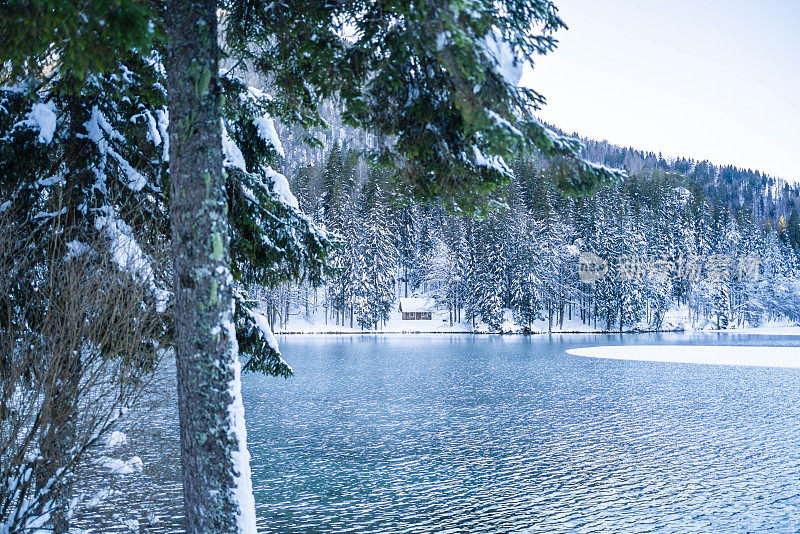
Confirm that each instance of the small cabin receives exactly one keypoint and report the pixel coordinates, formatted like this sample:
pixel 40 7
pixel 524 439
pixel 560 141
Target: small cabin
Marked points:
pixel 416 309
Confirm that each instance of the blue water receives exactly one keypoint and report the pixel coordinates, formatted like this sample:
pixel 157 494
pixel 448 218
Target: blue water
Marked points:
pixel 488 434
pixel 510 434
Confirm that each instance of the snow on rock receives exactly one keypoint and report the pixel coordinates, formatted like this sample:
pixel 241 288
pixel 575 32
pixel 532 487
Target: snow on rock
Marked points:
pixel 280 185
pixel 121 467
pixel 243 488
pixel 505 61
pixel 266 130
pixel 698 354
pixel 43 117
pixel 115 439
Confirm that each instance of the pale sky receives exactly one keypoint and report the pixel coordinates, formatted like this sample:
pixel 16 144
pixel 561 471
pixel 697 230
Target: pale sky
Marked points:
pixel 706 79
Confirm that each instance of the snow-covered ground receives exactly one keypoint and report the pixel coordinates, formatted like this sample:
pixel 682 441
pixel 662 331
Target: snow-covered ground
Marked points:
pixel 676 319
pixel 440 322
pixel 698 354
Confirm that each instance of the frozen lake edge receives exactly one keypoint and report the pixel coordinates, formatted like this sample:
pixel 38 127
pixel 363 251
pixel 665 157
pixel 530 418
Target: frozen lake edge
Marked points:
pixel 749 356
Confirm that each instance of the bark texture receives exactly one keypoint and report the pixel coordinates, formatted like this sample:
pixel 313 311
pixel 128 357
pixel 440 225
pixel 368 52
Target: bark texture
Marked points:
pixel 206 354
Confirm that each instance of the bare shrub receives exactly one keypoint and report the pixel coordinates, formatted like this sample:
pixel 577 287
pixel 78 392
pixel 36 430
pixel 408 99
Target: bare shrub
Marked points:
pixel 81 334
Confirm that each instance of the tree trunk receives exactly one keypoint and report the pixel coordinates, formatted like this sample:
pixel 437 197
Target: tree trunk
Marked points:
pixel 216 473
pixel 287 308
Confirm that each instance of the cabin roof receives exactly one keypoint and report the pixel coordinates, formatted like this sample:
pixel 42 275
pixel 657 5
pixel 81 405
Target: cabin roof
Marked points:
pixel 415 304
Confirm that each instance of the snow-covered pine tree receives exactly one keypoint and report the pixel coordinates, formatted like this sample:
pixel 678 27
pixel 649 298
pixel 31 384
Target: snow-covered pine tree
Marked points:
pixel 452 121
pixel 777 288
pixel 403 223
pixel 91 156
pixel 272 241
pixel 423 247
pixel 488 287
pixel 446 269
pixel 337 206
pixel 375 255
pixel 793 231
pixel 81 173
pixel 524 267
pixel 525 282
pixel 439 276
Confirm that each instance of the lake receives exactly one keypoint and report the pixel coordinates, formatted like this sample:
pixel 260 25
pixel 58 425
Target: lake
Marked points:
pixel 465 433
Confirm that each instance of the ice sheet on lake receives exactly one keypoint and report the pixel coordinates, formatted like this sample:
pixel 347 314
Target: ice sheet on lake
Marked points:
pixel 698 354
pixel 768 331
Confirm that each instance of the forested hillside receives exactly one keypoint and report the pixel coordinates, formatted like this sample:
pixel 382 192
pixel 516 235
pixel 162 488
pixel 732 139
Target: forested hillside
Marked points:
pixel 742 190
pixel 688 244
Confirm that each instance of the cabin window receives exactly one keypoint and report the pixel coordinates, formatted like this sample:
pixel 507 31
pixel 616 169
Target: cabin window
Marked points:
pixel 416 316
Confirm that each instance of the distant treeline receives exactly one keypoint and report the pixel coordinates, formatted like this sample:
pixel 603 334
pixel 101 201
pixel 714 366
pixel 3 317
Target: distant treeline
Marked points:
pixel 523 258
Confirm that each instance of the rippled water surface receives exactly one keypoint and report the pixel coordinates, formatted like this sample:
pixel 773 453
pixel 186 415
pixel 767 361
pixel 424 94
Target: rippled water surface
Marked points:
pixel 497 434
pixel 501 434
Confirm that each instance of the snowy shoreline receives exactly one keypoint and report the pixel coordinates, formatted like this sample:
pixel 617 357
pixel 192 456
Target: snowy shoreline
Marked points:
pixel 675 321
pixel 764 331
pixel 475 332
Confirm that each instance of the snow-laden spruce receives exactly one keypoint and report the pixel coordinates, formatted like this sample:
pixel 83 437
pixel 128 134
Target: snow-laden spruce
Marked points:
pixel 517 269
pixel 117 183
